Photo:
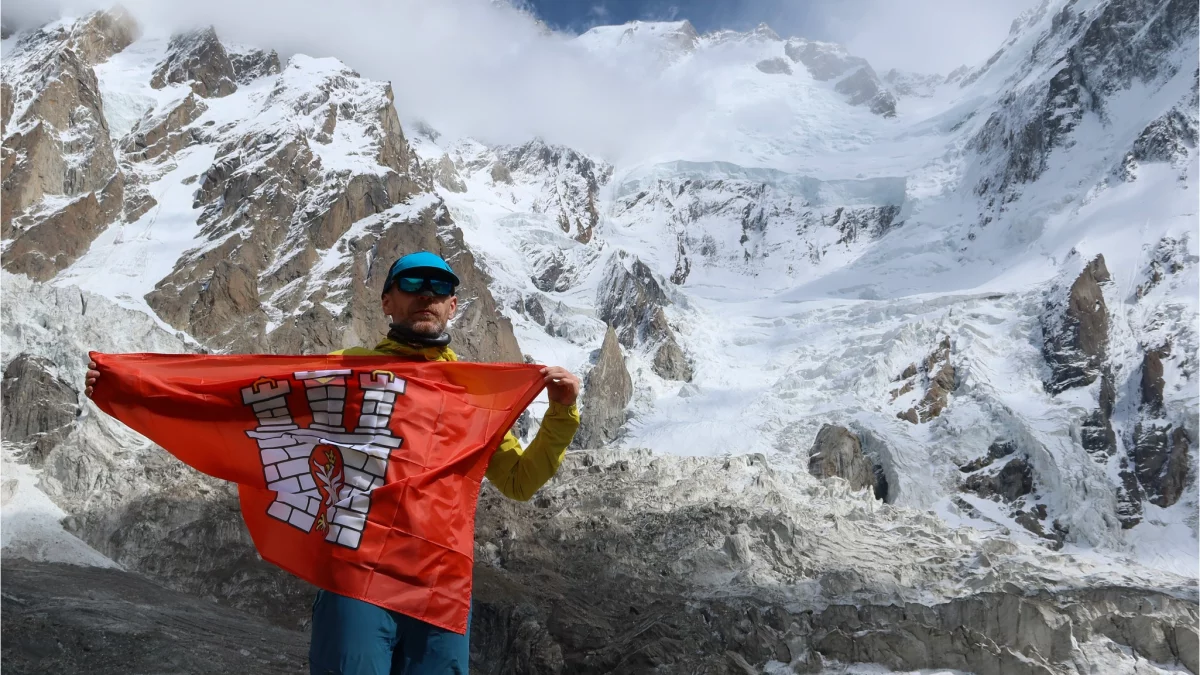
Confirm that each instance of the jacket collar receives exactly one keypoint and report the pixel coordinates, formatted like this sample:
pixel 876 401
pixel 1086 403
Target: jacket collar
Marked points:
pixel 390 346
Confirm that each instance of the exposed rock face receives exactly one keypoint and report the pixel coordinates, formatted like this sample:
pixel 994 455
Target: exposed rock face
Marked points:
pixel 101 34
pixel 1152 379
pixel 837 452
pixel 40 408
pixel 251 64
pixel 569 183
pixel 863 87
pixel 1104 51
pixel 856 79
pixel 271 210
pixel 939 381
pixel 776 66
pixel 632 301
pixel 43 249
pixel 1160 457
pixel 606 393
pixel 775 212
pixel 165 134
pixel 198 59
pixel 57 144
pixel 1075 332
pixel 1171 138
pixel 447 176
pixel 997 450
pixel 1013 481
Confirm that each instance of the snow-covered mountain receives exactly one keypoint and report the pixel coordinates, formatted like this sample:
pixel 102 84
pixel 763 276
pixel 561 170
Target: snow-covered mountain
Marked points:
pixel 974 295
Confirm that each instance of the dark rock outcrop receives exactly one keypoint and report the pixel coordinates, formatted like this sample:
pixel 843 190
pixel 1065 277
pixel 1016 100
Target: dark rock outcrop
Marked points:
pixel 606 394
pixel 776 66
pixel 198 59
pixel 1152 379
pixel 253 64
pixel 1075 330
pixel 631 300
pixel 54 241
pixel 940 380
pixel 857 80
pixel 1160 457
pixel 997 450
pixel 837 452
pixel 863 87
pixel 1013 481
pixel 1104 51
pixel 61 146
pixel 162 135
pixel 40 409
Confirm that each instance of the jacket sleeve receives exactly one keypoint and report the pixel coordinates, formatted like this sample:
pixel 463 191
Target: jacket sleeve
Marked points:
pixel 517 472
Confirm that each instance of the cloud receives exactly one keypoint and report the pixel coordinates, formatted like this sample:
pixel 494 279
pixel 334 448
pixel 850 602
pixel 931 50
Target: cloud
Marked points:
pixel 489 69
pixel 933 36
pixel 468 67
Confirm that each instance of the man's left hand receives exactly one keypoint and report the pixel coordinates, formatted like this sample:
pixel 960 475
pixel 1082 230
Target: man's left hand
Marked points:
pixel 561 386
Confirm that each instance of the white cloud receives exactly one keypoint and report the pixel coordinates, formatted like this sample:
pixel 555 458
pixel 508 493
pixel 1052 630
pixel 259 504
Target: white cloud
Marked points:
pixel 469 67
pixel 933 36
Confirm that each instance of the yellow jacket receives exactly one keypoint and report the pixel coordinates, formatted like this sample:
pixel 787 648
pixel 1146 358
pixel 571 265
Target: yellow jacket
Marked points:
pixel 517 472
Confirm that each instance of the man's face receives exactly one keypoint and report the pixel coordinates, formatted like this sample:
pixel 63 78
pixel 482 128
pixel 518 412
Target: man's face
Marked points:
pixel 422 314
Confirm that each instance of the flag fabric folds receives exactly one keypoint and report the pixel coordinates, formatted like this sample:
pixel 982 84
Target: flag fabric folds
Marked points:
pixel 358 474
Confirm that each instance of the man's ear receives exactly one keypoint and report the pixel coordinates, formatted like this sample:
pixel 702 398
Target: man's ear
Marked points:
pixel 385 303
pixel 453 305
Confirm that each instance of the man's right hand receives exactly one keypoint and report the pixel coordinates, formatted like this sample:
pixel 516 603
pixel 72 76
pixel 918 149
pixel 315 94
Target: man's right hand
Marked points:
pixel 92 376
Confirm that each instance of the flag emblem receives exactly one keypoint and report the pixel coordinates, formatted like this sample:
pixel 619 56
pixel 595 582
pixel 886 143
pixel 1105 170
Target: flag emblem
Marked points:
pixel 323 474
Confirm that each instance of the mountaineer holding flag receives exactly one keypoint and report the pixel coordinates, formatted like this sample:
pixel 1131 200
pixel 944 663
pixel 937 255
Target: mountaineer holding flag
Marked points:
pixel 360 471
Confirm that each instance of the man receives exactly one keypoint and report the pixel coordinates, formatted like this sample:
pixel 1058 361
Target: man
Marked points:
pixel 353 637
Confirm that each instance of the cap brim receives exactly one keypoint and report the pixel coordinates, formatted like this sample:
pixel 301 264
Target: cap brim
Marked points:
pixel 430 273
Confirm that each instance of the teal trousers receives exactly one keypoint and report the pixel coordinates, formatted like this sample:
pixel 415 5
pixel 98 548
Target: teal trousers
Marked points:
pixel 352 637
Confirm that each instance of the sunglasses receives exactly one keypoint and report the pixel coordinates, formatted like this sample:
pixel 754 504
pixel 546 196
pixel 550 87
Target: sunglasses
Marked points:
pixel 438 287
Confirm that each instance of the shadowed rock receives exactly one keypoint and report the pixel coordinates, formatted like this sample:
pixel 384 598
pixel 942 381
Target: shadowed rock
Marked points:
pixel 1075 330
pixel 198 59
pixel 606 393
pixel 39 408
pixel 776 66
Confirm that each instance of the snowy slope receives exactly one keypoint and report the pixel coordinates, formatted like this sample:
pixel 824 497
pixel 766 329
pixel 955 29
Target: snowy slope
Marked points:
pixel 791 325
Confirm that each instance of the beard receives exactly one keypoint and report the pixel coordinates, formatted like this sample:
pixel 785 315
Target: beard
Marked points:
pixel 424 327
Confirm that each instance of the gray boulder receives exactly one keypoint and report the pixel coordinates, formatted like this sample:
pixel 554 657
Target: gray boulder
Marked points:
pixel 837 452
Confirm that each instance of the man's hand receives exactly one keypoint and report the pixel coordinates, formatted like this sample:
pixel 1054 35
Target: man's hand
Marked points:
pixel 92 376
pixel 561 386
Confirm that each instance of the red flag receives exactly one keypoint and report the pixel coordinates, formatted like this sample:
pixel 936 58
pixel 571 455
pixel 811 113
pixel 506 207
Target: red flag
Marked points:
pixel 358 474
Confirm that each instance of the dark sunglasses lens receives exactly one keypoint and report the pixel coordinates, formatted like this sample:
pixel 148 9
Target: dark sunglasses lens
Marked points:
pixel 410 284
pixel 415 284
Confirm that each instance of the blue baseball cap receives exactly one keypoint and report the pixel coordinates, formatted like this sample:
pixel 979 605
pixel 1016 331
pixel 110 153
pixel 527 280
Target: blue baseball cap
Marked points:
pixel 421 264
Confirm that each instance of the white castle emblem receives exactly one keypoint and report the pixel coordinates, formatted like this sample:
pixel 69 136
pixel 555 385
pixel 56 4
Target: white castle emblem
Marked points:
pixel 323 475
